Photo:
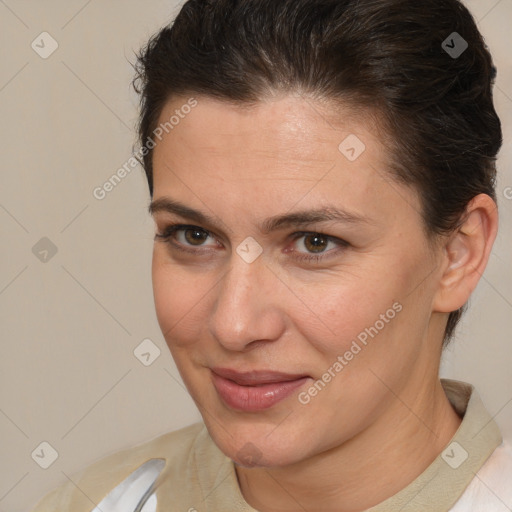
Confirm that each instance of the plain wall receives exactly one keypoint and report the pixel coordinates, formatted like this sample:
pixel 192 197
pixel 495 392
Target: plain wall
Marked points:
pixel 69 325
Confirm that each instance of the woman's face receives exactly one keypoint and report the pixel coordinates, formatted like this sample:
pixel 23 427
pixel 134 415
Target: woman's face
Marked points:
pixel 297 301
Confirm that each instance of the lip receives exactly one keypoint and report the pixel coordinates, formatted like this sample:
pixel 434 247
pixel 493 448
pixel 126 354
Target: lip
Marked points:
pixel 254 390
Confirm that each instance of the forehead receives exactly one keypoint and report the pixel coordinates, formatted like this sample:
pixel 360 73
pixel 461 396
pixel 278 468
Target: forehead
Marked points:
pixel 287 126
pixel 279 151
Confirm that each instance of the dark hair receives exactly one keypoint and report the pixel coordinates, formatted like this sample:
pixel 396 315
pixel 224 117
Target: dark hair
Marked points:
pixel 395 57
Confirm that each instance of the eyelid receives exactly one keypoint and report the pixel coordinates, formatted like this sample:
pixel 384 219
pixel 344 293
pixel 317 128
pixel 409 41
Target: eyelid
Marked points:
pixel 298 234
pixel 170 230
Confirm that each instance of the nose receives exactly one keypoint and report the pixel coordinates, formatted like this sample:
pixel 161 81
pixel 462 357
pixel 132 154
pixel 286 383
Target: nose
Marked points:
pixel 248 308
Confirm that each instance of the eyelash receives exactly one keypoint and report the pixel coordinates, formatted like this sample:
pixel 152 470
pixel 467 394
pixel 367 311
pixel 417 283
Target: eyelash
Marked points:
pixel 168 233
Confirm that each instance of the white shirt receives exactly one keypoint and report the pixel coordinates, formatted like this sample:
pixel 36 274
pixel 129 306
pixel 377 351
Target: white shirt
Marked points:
pixel 491 488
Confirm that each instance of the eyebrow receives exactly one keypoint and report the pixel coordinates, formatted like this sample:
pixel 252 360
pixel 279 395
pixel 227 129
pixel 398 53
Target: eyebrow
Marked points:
pixel 299 218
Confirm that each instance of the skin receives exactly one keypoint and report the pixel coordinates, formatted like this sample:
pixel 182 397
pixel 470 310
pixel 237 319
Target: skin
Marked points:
pixel 384 418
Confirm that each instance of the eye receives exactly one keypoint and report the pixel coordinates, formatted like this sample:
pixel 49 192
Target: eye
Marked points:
pixel 192 236
pixel 315 242
pixel 317 246
pixel 186 236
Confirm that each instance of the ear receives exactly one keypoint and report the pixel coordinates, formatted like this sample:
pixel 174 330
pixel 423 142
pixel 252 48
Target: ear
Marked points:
pixel 466 253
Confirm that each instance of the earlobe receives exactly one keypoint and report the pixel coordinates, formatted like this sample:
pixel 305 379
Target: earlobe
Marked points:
pixel 466 254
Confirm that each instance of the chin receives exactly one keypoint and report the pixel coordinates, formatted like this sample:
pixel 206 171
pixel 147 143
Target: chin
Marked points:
pixel 251 445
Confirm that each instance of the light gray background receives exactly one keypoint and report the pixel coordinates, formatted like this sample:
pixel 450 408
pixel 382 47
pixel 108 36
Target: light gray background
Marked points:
pixel 69 326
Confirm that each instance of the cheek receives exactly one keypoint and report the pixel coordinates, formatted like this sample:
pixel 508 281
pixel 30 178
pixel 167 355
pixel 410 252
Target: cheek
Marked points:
pixel 342 309
pixel 179 300
pixel 377 305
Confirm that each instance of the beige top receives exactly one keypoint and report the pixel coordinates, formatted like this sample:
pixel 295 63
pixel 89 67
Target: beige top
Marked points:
pixel 197 476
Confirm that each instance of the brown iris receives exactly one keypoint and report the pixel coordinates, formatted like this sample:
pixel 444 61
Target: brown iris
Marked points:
pixel 315 242
pixel 196 236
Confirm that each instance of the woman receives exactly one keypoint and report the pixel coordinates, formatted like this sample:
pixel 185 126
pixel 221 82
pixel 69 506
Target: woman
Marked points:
pixel 322 179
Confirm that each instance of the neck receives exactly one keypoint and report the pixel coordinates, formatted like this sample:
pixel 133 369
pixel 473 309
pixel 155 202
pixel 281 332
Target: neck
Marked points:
pixel 369 468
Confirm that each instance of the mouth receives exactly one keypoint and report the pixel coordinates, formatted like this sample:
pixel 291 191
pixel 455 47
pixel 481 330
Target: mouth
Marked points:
pixel 255 390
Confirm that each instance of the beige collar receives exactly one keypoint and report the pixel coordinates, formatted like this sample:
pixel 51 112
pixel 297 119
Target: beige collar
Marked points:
pixel 443 482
